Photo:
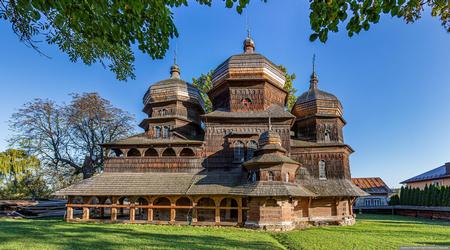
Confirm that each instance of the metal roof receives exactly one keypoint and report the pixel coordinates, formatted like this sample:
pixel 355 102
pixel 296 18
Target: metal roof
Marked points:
pixel 437 173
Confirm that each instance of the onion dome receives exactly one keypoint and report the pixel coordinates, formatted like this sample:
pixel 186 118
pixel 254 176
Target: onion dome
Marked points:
pixel 269 153
pixel 315 101
pixel 248 66
pixel 249 45
pixel 269 137
pixel 172 89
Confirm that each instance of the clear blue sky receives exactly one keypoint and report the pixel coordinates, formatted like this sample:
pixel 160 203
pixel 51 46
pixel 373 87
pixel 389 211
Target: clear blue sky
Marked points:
pixel 393 81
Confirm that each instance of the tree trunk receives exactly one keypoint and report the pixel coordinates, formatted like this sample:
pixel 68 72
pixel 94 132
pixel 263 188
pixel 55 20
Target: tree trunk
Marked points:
pixel 88 168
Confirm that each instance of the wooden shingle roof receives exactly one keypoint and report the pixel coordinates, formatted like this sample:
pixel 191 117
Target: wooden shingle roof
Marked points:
pixel 219 182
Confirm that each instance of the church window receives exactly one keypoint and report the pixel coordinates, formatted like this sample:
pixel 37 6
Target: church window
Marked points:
pixel 157 132
pixel 165 132
pixel 163 112
pixel 287 177
pixel 251 147
pixel 322 170
pixel 327 135
pixel 238 151
pixel 270 176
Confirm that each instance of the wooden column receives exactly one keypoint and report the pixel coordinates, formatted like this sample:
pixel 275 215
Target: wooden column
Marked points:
pixel 113 209
pixel 113 214
pixel 150 214
pixel 132 214
pixel 217 215
pixel 239 200
pixel 172 212
pixel 309 206
pixel 194 212
pixel 69 215
pixel 350 210
pixel 85 213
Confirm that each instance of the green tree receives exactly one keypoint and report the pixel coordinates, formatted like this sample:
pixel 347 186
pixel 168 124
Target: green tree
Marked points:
pixel 204 84
pixel 402 195
pixel 289 87
pixel 20 177
pixel 15 163
pixel 394 200
pixel 106 31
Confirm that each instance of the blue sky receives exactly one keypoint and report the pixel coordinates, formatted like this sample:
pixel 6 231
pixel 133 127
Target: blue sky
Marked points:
pixel 393 81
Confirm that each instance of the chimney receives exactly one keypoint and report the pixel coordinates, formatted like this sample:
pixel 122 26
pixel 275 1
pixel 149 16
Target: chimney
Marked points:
pixel 447 167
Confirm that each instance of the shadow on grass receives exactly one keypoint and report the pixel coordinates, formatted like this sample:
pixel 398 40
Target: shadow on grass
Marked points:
pixel 398 219
pixel 94 236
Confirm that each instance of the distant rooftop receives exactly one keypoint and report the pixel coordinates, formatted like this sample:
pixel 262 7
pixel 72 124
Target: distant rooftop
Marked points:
pixel 437 173
pixel 372 185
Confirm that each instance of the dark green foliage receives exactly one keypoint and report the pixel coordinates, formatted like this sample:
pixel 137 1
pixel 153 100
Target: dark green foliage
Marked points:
pixel 326 15
pixel 204 84
pixel 106 31
pixel 289 87
pixel 430 196
pixel 394 200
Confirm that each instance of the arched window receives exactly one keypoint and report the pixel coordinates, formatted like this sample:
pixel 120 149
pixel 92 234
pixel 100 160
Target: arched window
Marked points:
pixel 251 147
pixel 151 152
pixel 169 152
pixel 157 132
pixel 115 153
pixel 327 135
pixel 187 152
pixel 287 177
pixel 163 112
pixel 165 132
pixel 239 151
pixel 322 170
pixel 270 176
pixel 133 153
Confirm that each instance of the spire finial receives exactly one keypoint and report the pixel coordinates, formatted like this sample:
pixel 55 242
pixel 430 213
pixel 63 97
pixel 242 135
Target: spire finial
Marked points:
pixel 175 70
pixel 247 25
pixel 175 55
pixel 314 63
pixel 314 79
pixel 249 45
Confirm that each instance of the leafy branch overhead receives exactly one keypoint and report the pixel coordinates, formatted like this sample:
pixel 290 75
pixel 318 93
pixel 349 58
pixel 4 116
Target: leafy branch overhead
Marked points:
pixel 106 31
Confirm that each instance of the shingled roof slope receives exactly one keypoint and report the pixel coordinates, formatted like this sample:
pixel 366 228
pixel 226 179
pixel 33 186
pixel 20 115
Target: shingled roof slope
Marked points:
pixel 265 188
pixel 143 139
pixel 131 184
pixel 372 185
pixel 332 187
pixel 437 173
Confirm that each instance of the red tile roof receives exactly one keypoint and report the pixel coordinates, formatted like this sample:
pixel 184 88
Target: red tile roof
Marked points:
pixel 371 184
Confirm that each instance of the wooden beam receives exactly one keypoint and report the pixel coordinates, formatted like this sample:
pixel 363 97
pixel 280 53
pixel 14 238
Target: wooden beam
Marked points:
pixel 145 206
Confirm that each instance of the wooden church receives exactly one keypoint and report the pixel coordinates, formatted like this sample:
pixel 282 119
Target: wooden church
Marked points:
pixel 247 163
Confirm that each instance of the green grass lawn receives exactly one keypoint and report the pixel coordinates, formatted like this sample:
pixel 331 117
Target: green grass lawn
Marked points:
pixel 370 232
